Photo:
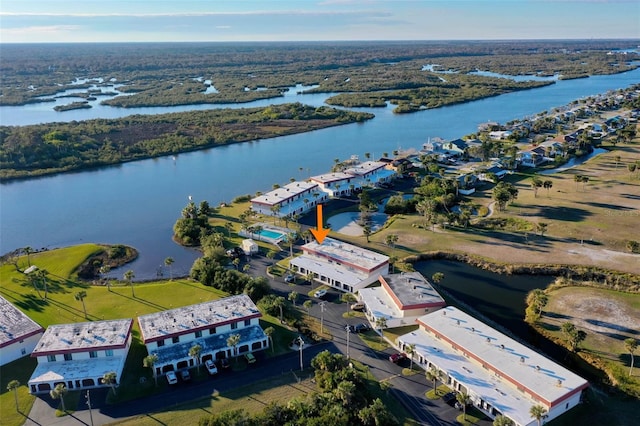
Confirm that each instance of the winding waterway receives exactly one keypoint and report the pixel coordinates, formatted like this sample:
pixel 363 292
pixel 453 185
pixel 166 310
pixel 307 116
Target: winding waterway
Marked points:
pixel 137 203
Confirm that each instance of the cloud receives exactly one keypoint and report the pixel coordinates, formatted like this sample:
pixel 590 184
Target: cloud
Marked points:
pixel 48 29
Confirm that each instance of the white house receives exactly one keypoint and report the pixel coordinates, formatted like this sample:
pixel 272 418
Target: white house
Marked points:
pixel 340 265
pixel 79 354
pixel 370 173
pixel 19 334
pixel 500 375
pixel 337 183
pixel 171 334
pixel 400 299
pixel 292 199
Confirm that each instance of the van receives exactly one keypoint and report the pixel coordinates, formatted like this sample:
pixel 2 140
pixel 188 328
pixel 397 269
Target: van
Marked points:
pixel 250 358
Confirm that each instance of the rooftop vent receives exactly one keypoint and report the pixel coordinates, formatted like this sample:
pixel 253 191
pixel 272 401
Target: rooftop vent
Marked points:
pixel 473 329
pixel 559 384
pixel 502 347
pixel 522 359
pixel 444 312
pixel 537 368
pixel 488 339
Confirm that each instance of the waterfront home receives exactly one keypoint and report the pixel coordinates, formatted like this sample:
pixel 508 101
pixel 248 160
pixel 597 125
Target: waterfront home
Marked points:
pixel 78 355
pixel 370 173
pixel 499 374
pixel 340 265
pixel 171 334
pixel 19 334
pixel 531 157
pixel 400 299
pixel 293 199
pixel 337 184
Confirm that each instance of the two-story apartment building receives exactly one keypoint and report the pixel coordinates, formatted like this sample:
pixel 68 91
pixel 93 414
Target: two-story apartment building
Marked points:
pixel 337 184
pixel 171 334
pixel 19 334
pixel 292 199
pixel 400 299
pixel 340 265
pixel 78 355
pixel 500 375
pixel 370 173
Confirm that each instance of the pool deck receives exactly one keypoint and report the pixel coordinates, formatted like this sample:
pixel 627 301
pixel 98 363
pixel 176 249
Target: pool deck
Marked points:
pixel 268 227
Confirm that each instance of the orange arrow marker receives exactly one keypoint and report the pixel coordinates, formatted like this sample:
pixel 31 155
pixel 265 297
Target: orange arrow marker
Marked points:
pixel 320 233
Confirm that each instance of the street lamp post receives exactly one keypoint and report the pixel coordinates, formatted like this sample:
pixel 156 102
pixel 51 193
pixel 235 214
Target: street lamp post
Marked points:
pixel 88 396
pixel 322 316
pixel 348 334
pixel 300 345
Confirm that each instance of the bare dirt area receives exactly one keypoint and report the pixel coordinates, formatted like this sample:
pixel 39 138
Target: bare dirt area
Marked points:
pixel 608 318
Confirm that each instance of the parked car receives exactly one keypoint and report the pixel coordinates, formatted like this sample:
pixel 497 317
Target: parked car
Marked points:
pixel 211 367
pixel 449 398
pixel 172 379
pixel 184 375
pixel 350 328
pixel 289 278
pixel 320 293
pixel 235 252
pixel 396 358
pixel 224 363
pixel 358 306
pixel 362 327
pixel 250 358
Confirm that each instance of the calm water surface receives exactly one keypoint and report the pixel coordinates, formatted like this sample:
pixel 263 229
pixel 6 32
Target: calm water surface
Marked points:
pixel 137 203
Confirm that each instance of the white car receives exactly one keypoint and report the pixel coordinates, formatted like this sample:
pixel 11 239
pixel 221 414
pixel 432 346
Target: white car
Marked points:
pixel 172 379
pixel 211 367
pixel 320 293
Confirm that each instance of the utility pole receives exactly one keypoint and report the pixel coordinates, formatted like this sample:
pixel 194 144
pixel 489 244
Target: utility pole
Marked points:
pixel 88 396
pixel 348 334
pixel 322 316
pixel 300 345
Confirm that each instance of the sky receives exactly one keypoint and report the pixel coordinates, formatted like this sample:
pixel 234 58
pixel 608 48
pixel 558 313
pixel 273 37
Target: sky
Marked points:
pixel 38 21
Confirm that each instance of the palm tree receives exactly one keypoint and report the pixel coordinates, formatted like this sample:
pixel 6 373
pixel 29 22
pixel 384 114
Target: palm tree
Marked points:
pixel 279 303
pixel 79 296
pixel 391 241
pixel 232 342
pixel 538 412
pixel 42 275
pixel 268 332
pixel 293 296
pixel 229 227
pixel 150 362
pixel 433 374
pixel 307 305
pixel 366 230
pixel 13 385
pixel 28 250
pixel 536 183
pixel 129 276
pixel 410 350
pixel 58 393
pixel 464 400
pixel 501 420
pixel 631 345
pixel 168 262
pixel 547 184
pixel 541 227
pixel 194 352
pixel 381 322
pixel 109 379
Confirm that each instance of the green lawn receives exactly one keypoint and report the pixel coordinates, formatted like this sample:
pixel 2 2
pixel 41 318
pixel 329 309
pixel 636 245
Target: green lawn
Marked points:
pixel 19 370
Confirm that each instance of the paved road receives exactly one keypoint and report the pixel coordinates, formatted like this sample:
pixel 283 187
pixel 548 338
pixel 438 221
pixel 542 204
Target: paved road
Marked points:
pixel 408 390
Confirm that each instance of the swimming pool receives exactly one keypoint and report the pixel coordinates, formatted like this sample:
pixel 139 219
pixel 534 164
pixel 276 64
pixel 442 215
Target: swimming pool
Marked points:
pixel 271 234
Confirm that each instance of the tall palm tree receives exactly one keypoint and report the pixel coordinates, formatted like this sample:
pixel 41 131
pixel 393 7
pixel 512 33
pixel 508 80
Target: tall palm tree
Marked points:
pixel 410 350
pixel 268 332
pixel 501 420
pixel 538 412
pixel 110 379
pixel 631 345
pixel 433 374
pixel 13 385
pixel 129 276
pixel 28 250
pixel 279 302
pixel 547 184
pixel 42 275
pixel 464 400
pixel 150 362
pixel 293 296
pixel 381 322
pixel 79 296
pixel 232 342
pixel 168 262
pixel 307 305
pixel 194 352
pixel 58 393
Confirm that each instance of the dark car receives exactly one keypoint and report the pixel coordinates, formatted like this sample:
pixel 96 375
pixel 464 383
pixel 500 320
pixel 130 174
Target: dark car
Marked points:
pixel 224 363
pixel 235 252
pixel 361 328
pixel 350 328
pixel 450 398
pixel 289 278
pixel 396 358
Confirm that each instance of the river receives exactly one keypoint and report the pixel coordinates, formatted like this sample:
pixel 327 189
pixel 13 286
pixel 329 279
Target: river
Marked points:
pixel 137 203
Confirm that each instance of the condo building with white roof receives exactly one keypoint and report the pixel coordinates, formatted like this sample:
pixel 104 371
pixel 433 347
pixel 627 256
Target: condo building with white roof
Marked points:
pixel 171 334
pixel 337 184
pixel 292 199
pixel 500 375
pixel 371 173
pixel 400 299
pixel 340 265
pixel 79 354
pixel 19 334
